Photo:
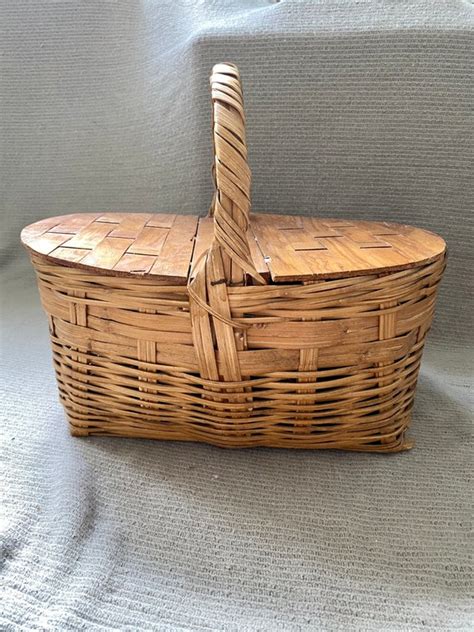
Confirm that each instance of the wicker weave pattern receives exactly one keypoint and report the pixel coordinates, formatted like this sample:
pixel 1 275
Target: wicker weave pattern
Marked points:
pixel 233 359
pixel 328 365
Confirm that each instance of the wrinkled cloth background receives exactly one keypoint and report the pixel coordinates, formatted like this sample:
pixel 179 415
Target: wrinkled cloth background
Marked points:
pixel 354 109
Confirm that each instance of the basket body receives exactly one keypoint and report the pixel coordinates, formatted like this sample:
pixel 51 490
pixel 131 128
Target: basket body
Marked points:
pixel 284 332
pixel 337 367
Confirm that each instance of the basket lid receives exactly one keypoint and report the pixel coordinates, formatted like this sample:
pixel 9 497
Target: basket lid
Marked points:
pixel 122 244
pixel 297 248
pixel 284 248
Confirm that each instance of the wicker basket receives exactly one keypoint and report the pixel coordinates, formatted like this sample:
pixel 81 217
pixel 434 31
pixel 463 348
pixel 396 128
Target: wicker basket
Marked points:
pixel 293 332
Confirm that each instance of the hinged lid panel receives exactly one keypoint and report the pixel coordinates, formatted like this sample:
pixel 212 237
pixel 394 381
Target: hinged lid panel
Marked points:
pixel 118 243
pixel 297 248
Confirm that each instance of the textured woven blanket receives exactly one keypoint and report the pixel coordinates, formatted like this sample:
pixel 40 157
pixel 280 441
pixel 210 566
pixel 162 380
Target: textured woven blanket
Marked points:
pixel 354 109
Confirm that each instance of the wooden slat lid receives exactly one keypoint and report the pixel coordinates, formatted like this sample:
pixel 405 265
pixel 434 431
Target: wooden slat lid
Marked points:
pixel 284 248
pixel 117 243
pixel 299 248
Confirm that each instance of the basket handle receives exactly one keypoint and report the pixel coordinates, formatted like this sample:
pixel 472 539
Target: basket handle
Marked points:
pixel 230 206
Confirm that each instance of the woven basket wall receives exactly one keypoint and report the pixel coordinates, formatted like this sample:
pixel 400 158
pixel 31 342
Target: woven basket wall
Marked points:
pixel 232 358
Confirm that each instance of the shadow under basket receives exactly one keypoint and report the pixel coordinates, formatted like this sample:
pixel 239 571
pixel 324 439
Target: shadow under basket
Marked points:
pixel 237 330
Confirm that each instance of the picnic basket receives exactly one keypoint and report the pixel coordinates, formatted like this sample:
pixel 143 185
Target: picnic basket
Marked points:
pixel 268 330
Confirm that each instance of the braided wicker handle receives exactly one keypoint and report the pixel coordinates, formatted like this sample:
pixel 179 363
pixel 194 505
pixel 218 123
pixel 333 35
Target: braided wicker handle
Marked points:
pixel 231 204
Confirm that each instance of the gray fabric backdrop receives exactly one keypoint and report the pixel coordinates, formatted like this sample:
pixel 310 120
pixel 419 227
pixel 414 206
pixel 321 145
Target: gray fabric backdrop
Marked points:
pixel 354 108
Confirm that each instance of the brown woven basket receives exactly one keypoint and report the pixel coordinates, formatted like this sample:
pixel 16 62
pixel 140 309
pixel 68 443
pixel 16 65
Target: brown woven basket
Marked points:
pixel 294 332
